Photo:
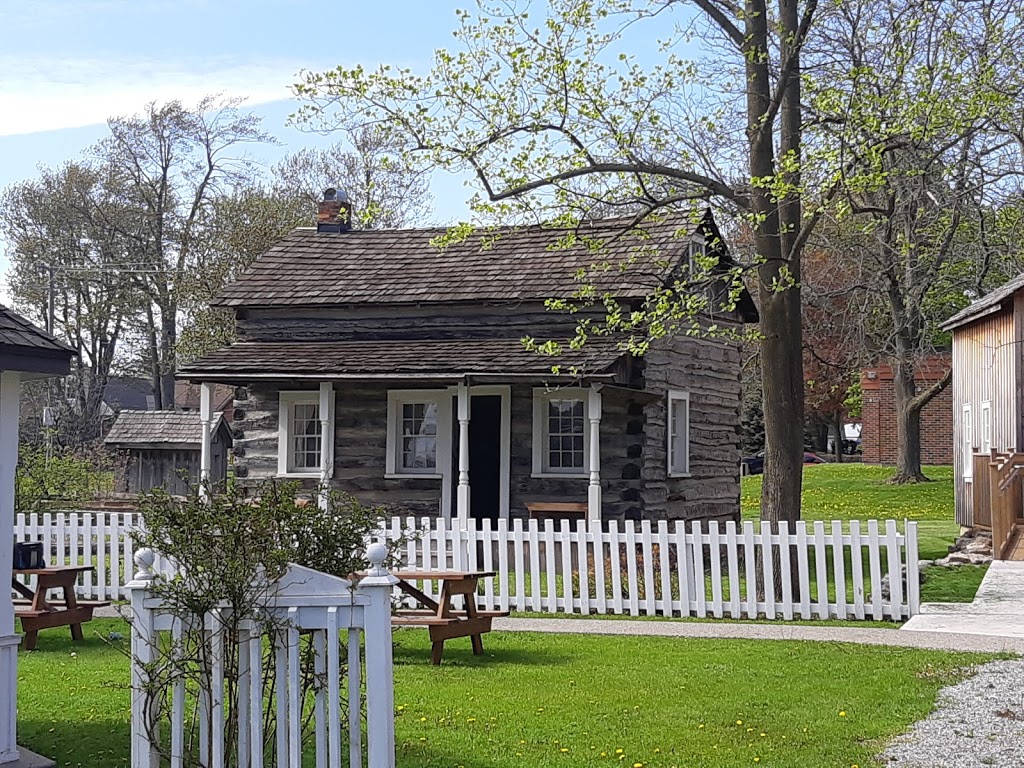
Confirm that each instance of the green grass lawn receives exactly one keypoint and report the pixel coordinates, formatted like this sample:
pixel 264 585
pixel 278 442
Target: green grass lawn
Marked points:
pixel 559 700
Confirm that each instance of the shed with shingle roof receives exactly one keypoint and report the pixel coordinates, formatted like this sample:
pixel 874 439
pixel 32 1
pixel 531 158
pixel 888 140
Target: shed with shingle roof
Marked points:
pixel 163 449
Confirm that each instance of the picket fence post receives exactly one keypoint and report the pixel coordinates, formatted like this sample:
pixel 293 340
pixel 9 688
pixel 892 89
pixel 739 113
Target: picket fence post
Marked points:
pixel 380 686
pixel 144 752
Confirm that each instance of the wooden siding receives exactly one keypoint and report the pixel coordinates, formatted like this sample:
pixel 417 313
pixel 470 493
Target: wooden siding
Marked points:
pixel 175 470
pixel 709 369
pixel 985 369
pixel 633 442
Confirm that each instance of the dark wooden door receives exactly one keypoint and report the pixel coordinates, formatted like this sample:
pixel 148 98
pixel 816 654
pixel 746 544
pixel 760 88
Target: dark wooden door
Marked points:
pixel 485 457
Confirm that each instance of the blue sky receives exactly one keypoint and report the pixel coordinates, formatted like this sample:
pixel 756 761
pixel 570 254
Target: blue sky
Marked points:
pixel 65 66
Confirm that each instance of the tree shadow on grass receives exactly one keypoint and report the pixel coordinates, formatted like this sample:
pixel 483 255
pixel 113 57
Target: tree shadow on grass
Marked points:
pixel 458 653
pixel 98 744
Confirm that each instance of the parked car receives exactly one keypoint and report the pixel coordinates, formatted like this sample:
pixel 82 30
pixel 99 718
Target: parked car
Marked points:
pixel 754 465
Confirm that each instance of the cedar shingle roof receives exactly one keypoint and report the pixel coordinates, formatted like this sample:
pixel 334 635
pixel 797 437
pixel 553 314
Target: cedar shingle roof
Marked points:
pixel 986 304
pixel 148 427
pixel 346 359
pixel 18 334
pixel 505 264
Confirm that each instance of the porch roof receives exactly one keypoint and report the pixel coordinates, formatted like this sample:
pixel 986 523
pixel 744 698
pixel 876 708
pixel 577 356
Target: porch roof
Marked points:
pixel 417 359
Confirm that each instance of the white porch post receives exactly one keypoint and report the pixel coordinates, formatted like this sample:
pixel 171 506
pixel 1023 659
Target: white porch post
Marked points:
pixel 326 441
pixel 10 386
pixel 462 494
pixel 206 444
pixel 594 489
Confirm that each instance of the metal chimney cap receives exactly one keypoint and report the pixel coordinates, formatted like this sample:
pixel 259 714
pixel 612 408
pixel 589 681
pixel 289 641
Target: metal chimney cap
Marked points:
pixel 343 196
pixel 330 194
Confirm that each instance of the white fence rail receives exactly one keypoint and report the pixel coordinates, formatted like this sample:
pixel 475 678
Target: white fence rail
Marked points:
pixel 814 570
pixel 342 710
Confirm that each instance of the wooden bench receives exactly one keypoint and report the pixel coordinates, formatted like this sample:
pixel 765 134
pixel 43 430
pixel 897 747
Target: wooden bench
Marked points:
pixel 556 510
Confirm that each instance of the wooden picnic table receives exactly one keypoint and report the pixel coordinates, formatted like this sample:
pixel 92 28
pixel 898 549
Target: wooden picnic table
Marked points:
pixel 442 620
pixel 36 612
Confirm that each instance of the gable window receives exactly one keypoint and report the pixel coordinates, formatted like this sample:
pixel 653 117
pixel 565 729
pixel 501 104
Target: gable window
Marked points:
pixel 560 436
pixel 415 419
pixel 300 434
pixel 678 433
pixel 967 447
pixel 695 253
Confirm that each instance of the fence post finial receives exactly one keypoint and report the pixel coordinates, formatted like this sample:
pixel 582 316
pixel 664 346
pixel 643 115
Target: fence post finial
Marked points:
pixel 377 553
pixel 145 561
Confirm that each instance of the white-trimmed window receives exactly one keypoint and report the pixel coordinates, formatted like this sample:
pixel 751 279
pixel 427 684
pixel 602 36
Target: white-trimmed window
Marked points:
pixel 695 252
pixel 678 433
pixel 416 423
pixel 967 444
pixel 561 439
pixel 300 438
pixel 986 427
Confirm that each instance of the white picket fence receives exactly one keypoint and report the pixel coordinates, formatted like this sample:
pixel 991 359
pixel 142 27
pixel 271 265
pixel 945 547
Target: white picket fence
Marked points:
pixel 100 539
pixel 344 711
pixel 833 570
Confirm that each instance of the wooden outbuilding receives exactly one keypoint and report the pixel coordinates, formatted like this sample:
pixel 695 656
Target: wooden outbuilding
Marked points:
pixel 988 415
pixel 163 449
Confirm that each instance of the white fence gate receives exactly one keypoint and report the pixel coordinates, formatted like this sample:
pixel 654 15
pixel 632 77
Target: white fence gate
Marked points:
pixel 837 569
pixel 329 609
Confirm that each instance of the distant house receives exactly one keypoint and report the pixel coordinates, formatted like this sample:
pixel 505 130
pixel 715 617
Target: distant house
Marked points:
pixel 878 415
pixel 380 363
pixel 163 449
pixel 132 393
pixel 186 398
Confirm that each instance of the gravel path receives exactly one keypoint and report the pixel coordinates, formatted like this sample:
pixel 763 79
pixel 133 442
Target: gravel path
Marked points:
pixel 979 723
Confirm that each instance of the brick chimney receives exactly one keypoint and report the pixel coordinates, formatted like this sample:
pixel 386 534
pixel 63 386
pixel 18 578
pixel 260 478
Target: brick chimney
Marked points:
pixel 334 212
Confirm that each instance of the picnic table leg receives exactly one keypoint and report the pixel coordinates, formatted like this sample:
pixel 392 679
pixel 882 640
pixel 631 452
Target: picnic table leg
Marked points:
pixel 436 650
pixel 31 635
pixel 477 640
pixel 71 601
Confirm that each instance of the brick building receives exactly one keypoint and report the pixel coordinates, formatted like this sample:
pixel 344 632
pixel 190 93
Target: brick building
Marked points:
pixel 878 435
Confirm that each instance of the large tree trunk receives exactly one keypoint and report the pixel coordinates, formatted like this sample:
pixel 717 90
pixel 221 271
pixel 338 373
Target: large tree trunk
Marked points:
pixel 837 446
pixel 909 404
pixel 779 273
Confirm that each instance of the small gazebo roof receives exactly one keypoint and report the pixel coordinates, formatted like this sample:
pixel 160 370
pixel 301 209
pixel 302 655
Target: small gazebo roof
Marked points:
pixel 162 429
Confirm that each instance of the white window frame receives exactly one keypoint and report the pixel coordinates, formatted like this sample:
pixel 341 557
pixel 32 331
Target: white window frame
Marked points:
pixel 674 398
pixel 967 442
pixel 986 427
pixel 396 399
pixel 697 246
pixel 286 408
pixel 541 397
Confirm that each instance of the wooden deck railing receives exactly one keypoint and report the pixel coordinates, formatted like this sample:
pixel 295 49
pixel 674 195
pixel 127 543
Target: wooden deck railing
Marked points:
pixel 1006 499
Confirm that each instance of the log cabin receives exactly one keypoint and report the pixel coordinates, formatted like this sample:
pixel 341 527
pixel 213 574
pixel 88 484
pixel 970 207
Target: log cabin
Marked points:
pixel 988 415
pixel 390 365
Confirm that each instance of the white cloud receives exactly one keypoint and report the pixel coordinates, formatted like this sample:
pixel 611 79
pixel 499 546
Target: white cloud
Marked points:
pixel 47 94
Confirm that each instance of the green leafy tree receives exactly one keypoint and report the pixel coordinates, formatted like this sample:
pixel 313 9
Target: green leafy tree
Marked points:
pixel 555 118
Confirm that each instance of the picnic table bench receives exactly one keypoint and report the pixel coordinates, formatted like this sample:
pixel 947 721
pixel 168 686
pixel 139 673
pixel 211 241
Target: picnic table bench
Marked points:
pixel 443 621
pixel 36 612
pixel 556 510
